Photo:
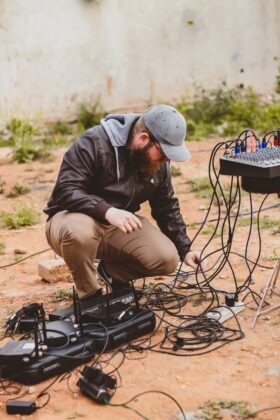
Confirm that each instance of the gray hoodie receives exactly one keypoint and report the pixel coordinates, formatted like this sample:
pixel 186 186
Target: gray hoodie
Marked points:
pixel 117 127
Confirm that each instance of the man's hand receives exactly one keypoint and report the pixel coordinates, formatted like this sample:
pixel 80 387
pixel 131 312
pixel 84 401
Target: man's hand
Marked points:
pixel 124 220
pixel 193 259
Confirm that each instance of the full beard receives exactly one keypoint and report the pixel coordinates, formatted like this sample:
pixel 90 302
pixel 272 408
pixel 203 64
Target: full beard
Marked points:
pixel 143 162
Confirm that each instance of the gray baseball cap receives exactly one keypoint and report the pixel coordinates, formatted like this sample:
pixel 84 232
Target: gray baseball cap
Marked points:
pixel 169 128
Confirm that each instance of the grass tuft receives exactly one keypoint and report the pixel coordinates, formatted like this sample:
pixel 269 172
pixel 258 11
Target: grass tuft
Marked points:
pixel 25 216
pixel 17 190
pixel 175 171
pixel 2 248
pixel 89 116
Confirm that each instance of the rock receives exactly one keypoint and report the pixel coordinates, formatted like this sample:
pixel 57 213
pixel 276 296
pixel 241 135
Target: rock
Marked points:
pixel 20 251
pixel 274 371
pixel 54 270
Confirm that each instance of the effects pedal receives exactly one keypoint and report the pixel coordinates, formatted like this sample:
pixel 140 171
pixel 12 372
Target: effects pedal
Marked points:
pixel 134 324
pixel 21 352
pixel 117 302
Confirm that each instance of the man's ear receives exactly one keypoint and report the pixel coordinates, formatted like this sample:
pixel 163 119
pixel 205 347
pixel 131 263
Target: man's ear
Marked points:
pixel 143 139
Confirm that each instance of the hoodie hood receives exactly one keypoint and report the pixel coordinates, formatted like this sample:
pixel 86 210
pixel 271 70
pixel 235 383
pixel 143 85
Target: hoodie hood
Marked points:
pixel 117 127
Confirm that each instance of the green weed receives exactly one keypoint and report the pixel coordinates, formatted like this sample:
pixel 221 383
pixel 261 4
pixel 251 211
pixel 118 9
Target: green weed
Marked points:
pixel 63 294
pixel 57 140
pixel 201 187
pixel 20 127
pixel 210 229
pixel 227 111
pixel 213 409
pixel 75 415
pixel 265 222
pixel 199 298
pixel 25 216
pixel 2 248
pixel 273 257
pixel 61 127
pixel 24 149
pixel 45 155
pixel 17 190
pixel 90 116
pixel 175 171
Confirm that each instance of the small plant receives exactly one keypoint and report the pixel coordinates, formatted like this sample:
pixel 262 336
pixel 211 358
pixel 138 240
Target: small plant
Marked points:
pixel 175 171
pixel 24 149
pixel 265 222
pixel 57 140
pixel 199 298
pixel 17 190
pixel 227 111
pixel 90 116
pixel 2 248
pixel 210 229
pixel 75 415
pixel 272 257
pixel 61 127
pixel 25 216
pixel 45 155
pixel 201 187
pixel 63 294
pixel 213 409
pixel 17 257
pixel 20 127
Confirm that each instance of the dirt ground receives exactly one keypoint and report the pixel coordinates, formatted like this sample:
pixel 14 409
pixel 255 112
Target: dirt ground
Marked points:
pixel 247 370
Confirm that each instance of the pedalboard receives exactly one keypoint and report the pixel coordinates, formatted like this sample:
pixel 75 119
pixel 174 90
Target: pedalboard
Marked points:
pixel 73 336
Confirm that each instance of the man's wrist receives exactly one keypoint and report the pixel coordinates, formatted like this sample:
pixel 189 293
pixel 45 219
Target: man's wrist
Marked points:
pixel 101 209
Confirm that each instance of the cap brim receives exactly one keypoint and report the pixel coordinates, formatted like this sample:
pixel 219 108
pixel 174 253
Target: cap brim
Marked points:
pixel 176 153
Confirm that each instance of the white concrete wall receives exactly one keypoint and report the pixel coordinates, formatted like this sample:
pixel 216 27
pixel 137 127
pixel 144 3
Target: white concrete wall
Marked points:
pixel 55 54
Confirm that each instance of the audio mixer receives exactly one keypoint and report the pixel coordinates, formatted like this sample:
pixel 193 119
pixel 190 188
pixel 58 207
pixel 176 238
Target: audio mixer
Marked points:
pixel 263 163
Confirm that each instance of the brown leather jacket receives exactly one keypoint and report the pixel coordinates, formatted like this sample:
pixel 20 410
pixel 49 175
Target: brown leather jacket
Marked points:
pixel 87 183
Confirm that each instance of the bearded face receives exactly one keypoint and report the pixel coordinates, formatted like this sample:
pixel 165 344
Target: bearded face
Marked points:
pixel 143 161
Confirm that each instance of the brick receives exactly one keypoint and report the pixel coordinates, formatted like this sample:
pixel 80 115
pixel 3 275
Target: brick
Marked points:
pixel 54 270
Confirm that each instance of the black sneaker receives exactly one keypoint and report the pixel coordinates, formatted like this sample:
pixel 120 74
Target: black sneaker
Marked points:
pixel 112 284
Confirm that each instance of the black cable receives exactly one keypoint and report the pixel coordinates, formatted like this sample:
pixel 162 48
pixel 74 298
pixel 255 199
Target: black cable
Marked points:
pixel 256 413
pixel 151 392
pixel 43 392
pixel 25 258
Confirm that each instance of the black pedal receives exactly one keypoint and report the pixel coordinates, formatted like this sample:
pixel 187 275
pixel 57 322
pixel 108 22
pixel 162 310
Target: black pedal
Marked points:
pixel 132 325
pixel 60 333
pixel 26 325
pixel 116 301
pixel 52 363
pixel 18 352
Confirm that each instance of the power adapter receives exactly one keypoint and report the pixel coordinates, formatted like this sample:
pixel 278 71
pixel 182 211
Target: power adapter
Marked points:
pixel 21 407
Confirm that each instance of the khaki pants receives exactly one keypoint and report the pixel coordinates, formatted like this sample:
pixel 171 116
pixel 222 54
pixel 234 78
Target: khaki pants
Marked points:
pixel 79 239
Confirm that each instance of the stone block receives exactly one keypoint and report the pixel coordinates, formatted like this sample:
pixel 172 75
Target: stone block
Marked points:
pixel 54 270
